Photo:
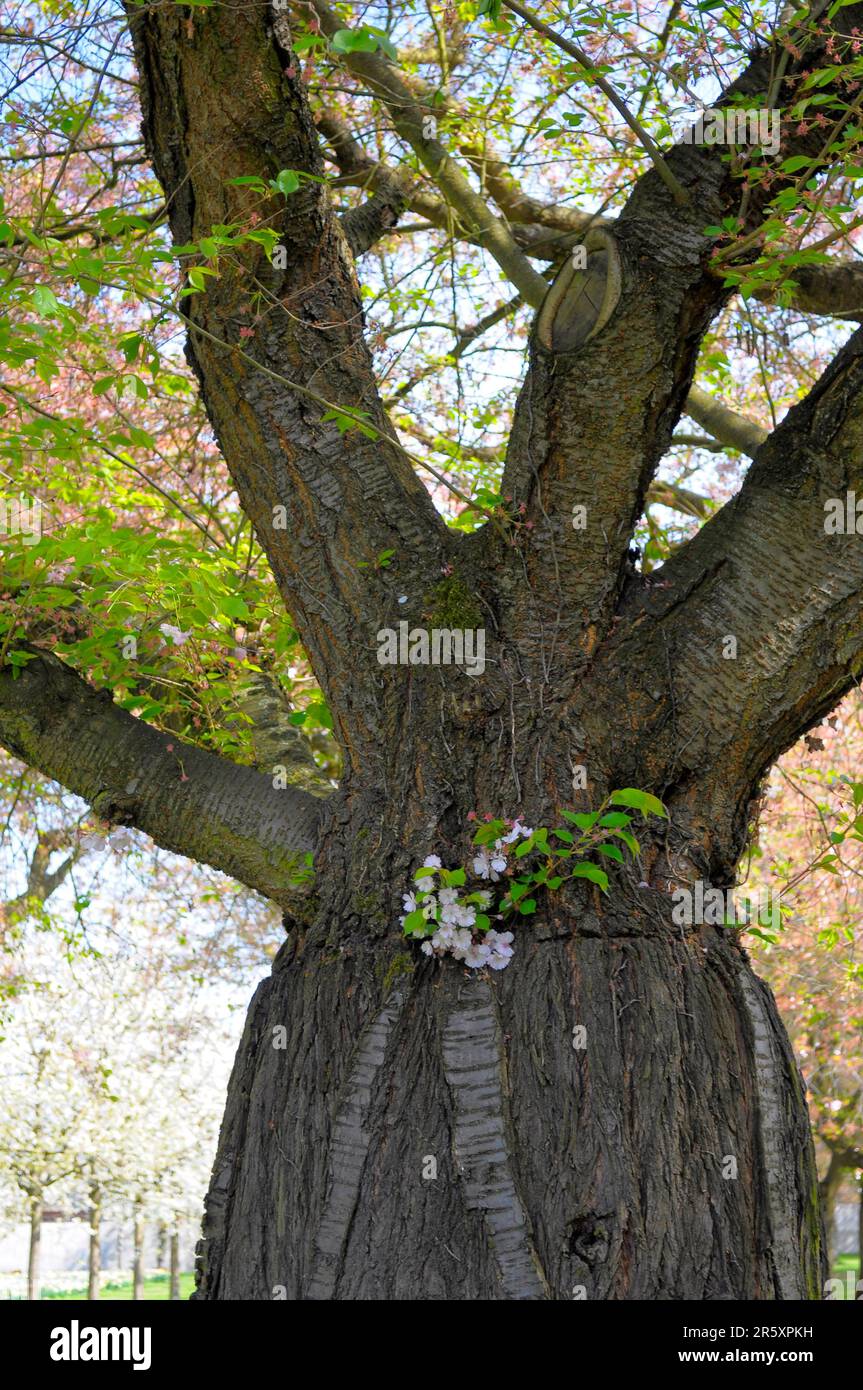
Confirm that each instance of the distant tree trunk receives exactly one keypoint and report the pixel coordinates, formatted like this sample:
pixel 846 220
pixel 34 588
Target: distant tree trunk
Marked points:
pixel 94 1254
pixel 162 1244
pixel 860 1230
pixel 138 1231
pixel 36 1209
pixel 175 1263
pixel 828 1189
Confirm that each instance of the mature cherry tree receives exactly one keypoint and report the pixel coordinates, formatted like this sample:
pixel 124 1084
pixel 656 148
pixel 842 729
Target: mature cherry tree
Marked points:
pixel 617 1114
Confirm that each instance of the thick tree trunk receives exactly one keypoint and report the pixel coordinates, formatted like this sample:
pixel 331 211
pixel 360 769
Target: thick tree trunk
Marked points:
pixel 34 1291
pixel 94 1253
pixel 175 1264
pixel 138 1232
pixel 427 1133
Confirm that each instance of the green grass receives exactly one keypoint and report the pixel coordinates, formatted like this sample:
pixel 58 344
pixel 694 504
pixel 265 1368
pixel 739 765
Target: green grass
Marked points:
pixel 841 1264
pixel 157 1286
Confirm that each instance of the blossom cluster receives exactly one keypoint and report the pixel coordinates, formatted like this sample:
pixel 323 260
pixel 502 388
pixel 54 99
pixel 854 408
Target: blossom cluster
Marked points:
pixel 454 922
pixel 491 862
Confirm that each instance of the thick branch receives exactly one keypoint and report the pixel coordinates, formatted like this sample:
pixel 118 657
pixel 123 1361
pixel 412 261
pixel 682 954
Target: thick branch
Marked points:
pixel 615 351
pixel 752 631
pixel 324 501
pixel 724 424
pixel 189 801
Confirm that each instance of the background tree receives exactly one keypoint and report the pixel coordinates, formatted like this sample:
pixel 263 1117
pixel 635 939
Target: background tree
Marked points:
pixel 808 849
pixel 558 1168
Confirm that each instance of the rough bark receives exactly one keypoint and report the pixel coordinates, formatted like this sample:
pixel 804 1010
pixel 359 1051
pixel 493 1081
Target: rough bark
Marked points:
pixel 223 105
pixel 561 1174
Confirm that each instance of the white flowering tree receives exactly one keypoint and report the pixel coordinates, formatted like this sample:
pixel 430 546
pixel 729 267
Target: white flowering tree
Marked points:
pixel 110 1078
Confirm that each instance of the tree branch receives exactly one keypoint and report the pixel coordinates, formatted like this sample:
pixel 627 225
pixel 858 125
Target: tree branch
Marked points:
pixel 726 425
pixel 306 481
pixel 613 358
pixel 189 801
pixel 752 630
pixel 415 124
pixel 676 190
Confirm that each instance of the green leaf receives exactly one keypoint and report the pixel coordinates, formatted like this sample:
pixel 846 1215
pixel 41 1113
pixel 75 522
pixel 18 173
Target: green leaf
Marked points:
pixel 287 181
pixel 345 422
pixel 610 852
pixel 252 180
pixel 303 42
pixel 641 801
pixel 590 871
pixel 354 41
pixel 583 819
pixel 18 659
pixel 45 302
pixel 629 840
pixel 414 921
pixel 795 163
pixel 529 905
pixel 488 833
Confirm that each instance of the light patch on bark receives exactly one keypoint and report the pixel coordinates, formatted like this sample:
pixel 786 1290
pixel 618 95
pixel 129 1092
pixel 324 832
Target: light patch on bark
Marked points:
pixel 349 1148
pixel 581 302
pixel 771 1085
pixel 473 1061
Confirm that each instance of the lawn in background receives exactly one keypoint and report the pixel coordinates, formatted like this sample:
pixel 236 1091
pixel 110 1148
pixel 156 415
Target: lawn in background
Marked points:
pixel 841 1264
pixel 157 1286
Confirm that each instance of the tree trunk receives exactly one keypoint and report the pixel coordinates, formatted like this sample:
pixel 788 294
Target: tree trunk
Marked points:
pixel 94 1253
pixel 175 1263
pixel 34 1291
pixel 828 1191
pixel 138 1232
pixel 429 1133
pixel 860 1233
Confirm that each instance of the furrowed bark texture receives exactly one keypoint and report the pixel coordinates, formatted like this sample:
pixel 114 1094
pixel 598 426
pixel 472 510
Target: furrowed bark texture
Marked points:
pixel 220 103
pixel 668 1158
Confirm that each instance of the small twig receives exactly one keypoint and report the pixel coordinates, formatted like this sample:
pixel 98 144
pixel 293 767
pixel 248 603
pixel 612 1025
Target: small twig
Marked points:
pixel 676 189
